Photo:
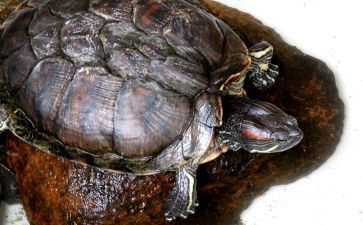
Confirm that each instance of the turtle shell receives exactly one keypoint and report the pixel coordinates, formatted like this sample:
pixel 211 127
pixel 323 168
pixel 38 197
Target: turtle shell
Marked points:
pixel 122 79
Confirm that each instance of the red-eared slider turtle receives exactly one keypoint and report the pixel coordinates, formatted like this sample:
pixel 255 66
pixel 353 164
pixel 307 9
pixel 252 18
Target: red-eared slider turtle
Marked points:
pixel 136 86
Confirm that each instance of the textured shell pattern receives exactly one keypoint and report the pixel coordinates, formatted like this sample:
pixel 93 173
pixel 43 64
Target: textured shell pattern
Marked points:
pixel 118 76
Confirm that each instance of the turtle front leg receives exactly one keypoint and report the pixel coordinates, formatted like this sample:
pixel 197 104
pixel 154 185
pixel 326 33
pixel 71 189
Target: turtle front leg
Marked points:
pixel 182 199
pixel 236 87
pixel 262 72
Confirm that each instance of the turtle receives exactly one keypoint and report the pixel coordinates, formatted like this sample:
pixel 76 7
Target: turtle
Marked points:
pixel 137 86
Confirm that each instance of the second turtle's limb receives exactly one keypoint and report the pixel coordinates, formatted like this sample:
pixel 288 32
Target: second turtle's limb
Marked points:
pixel 262 72
pixel 182 199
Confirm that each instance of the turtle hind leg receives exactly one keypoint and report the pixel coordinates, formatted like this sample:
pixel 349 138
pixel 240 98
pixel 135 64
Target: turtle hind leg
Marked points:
pixel 182 199
pixel 262 72
pixel 8 186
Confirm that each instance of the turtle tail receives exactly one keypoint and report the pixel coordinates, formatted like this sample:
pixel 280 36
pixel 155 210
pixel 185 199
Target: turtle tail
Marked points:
pixel 262 72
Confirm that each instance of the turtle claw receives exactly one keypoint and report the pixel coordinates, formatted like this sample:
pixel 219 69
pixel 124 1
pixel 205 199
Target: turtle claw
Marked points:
pixel 182 199
pixel 262 72
pixel 192 209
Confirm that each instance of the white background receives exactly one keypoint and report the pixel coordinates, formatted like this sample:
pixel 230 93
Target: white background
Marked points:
pixel 332 195
pixel 333 32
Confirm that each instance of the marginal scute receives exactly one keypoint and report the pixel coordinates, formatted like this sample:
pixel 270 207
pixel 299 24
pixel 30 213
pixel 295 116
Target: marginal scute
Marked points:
pixel 68 8
pixel 233 43
pixel 152 15
pixel 180 74
pixel 15 34
pixel 235 56
pixel 180 44
pixel 19 65
pixel 85 118
pixel 198 137
pixel 80 39
pixel 193 144
pixel 194 34
pixel 148 118
pixel 207 110
pixel 119 10
pixel 42 93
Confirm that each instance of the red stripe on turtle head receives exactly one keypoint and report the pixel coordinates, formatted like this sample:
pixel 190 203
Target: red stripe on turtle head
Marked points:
pixel 255 135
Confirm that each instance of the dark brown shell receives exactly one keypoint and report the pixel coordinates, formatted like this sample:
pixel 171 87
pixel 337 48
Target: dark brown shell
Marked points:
pixel 118 77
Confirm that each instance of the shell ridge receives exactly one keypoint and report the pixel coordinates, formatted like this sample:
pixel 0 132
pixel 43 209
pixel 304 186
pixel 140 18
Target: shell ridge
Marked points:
pixel 65 88
pixel 114 104
pixel 224 41
pixel 63 93
pixel 114 146
pixel 113 111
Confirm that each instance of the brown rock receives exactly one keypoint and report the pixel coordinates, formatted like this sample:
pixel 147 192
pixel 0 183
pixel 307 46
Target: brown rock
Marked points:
pixel 6 7
pixel 59 191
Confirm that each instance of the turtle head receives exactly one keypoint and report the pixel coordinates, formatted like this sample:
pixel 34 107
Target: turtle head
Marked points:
pixel 258 126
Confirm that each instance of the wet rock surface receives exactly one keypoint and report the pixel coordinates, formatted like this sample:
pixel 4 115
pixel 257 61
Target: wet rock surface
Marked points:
pixel 59 191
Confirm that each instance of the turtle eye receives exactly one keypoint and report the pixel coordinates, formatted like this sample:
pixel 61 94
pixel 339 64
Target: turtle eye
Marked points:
pixel 280 137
